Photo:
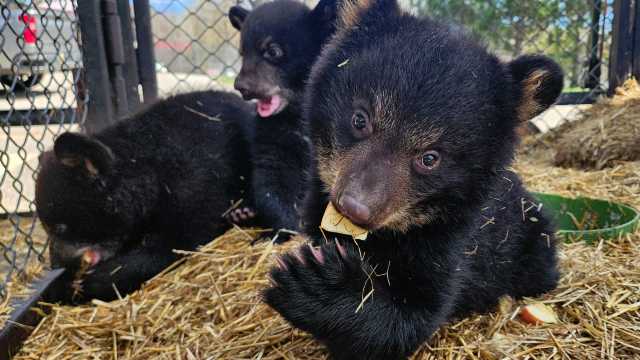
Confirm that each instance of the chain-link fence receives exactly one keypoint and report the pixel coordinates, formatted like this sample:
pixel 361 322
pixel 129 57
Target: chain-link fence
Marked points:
pixel 576 34
pixel 195 47
pixel 40 97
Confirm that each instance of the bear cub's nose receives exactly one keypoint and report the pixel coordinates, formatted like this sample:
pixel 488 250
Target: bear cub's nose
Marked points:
pixel 353 209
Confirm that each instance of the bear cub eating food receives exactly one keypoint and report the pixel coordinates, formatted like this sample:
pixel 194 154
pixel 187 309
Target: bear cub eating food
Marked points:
pixel 117 203
pixel 413 127
pixel 279 42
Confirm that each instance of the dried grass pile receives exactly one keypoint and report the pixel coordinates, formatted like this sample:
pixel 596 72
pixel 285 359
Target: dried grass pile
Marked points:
pixel 208 305
pixel 606 134
pixel 18 253
pixel 17 289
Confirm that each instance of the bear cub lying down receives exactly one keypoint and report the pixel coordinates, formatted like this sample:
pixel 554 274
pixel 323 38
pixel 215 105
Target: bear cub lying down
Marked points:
pixel 413 128
pixel 123 199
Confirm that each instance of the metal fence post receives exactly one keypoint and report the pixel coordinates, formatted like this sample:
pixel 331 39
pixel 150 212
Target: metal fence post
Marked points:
pixel 622 44
pixel 146 55
pixel 99 107
pixel 636 42
pixel 130 62
pixel 595 66
pixel 115 55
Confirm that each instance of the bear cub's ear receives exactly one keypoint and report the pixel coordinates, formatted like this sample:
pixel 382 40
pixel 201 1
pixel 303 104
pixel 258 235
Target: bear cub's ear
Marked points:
pixel 237 15
pixel 326 11
pixel 83 152
pixel 540 81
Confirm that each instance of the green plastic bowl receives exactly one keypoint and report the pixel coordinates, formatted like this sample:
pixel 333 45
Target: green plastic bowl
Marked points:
pixel 589 220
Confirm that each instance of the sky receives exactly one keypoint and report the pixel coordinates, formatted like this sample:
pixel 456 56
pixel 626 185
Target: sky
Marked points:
pixel 172 6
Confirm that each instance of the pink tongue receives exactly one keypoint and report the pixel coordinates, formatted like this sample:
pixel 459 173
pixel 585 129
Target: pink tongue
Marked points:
pixel 266 107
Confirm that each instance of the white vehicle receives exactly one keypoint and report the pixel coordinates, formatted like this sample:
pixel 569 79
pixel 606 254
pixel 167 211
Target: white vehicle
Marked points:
pixel 36 37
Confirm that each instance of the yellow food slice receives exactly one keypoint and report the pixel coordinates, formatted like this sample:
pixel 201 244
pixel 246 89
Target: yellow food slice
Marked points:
pixel 335 222
pixel 538 313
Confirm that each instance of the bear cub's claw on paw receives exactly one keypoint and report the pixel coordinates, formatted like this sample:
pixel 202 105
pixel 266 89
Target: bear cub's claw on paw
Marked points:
pixel 310 281
pixel 241 215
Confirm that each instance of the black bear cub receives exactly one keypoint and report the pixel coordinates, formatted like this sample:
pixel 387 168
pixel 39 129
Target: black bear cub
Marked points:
pixel 123 199
pixel 413 128
pixel 280 40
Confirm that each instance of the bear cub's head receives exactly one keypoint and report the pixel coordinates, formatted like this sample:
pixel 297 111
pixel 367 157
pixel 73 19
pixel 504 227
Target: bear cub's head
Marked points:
pixel 80 203
pixel 279 41
pixel 411 119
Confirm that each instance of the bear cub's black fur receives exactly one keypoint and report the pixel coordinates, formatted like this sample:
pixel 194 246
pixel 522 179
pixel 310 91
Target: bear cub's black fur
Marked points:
pixel 280 40
pixel 158 181
pixel 161 179
pixel 413 128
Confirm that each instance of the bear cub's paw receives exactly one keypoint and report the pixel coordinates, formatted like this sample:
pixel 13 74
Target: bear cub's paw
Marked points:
pixel 310 283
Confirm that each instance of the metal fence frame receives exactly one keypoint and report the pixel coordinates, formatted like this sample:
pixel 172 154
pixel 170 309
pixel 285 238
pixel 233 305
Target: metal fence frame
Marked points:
pixel 114 68
pixel 625 46
pixel 114 38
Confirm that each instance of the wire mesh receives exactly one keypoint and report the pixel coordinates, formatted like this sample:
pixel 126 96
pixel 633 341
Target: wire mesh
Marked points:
pixel 576 34
pixel 195 45
pixel 40 97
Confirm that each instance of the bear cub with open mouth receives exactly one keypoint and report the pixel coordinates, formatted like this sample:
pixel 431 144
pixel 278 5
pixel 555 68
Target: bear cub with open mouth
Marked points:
pixel 279 42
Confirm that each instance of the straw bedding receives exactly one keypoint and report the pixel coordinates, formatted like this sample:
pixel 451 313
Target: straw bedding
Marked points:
pixel 606 134
pixel 19 253
pixel 208 307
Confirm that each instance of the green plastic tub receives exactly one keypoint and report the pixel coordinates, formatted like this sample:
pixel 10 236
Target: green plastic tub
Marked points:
pixel 589 220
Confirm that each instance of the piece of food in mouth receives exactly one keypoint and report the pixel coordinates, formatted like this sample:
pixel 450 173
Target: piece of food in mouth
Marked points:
pixel 335 222
pixel 90 258
pixel 538 313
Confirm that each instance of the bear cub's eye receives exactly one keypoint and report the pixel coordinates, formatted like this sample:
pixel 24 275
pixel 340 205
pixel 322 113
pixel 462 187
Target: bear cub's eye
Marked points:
pixel 427 161
pixel 273 52
pixel 361 124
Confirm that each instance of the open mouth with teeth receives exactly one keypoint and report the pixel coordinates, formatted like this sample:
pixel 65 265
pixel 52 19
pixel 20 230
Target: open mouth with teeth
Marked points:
pixel 271 105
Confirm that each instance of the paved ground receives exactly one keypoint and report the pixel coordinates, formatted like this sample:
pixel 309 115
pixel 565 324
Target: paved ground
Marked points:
pixel 53 92
pixel 18 166
pixel 172 83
